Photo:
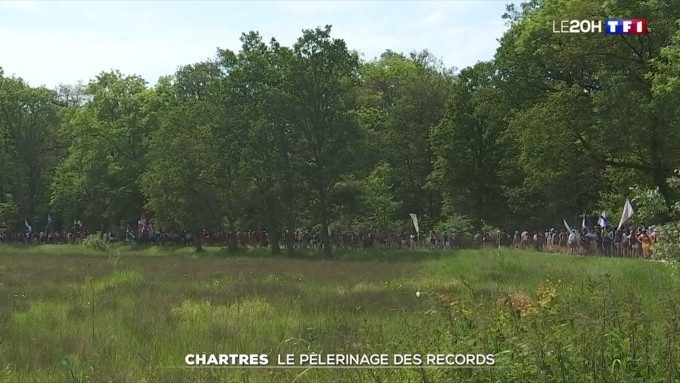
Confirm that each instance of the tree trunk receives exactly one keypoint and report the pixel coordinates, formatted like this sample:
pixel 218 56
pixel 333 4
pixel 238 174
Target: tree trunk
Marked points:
pixel 197 241
pixel 479 206
pixel 325 240
pixel 290 225
pixel 232 242
pixel 274 237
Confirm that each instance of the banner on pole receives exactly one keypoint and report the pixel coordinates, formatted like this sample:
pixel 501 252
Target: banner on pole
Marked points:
pixel 627 213
pixel 414 218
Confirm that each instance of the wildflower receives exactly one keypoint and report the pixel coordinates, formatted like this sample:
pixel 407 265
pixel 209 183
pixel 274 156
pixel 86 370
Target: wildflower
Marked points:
pixel 418 294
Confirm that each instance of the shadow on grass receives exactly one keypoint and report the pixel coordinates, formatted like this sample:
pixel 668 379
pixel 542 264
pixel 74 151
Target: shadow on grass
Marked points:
pixel 359 255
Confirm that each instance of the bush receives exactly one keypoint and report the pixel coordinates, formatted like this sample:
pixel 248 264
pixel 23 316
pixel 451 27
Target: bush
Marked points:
pixel 455 223
pixel 668 246
pixel 97 241
pixel 649 206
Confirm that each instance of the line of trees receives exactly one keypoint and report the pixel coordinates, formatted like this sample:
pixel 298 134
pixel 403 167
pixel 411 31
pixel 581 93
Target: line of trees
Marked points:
pixel 280 138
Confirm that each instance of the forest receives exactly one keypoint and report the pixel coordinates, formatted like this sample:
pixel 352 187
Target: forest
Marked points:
pixel 311 135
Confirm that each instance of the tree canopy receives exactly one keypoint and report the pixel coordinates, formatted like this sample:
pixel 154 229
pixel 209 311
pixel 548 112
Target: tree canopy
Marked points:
pixel 310 136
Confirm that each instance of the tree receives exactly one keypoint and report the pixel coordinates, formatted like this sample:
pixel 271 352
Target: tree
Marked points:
pixel 558 177
pixel 96 181
pixel 30 145
pixel 378 199
pixel 323 77
pixel 197 190
pixel 468 148
pixel 181 190
pixel 405 98
pixel 259 98
pixel 609 111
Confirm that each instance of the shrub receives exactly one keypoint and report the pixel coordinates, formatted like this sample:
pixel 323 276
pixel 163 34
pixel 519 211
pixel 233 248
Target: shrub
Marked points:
pixel 97 241
pixel 668 246
pixel 650 205
pixel 455 223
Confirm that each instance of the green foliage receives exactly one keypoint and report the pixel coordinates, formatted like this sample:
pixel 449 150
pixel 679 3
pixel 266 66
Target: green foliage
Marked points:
pixel 97 241
pixel 668 245
pixel 650 207
pixel 278 138
pixel 575 94
pixel 260 107
pixel 9 214
pixel 96 180
pixel 402 98
pixel 30 145
pixel 324 75
pixel 182 191
pixel 378 198
pixel 456 223
pixel 467 147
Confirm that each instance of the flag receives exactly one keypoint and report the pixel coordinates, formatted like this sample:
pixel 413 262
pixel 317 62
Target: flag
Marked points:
pixel 414 218
pixel 28 227
pixel 142 224
pixel 627 213
pixel 567 226
pixel 583 224
pixel 49 222
pixel 603 220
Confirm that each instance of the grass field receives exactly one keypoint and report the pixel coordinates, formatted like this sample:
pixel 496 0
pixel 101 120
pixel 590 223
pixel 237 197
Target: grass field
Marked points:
pixel 547 318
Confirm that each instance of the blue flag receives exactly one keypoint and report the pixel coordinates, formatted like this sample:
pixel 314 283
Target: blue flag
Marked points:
pixel 583 224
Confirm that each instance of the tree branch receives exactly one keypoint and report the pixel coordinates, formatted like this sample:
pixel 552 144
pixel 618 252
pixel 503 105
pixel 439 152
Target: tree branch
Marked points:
pixel 616 163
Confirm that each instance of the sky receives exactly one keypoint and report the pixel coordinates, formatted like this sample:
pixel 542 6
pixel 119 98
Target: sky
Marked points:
pixel 50 42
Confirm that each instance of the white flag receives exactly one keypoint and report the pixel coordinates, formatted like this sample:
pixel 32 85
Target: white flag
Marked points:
pixel 28 227
pixel 603 220
pixel 567 226
pixel 414 218
pixel 627 213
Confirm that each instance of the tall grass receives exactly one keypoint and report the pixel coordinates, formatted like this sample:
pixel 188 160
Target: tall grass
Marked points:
pixel 133 316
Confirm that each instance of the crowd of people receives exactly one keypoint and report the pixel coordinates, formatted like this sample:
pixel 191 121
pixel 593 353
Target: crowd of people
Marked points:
pixel 627 242
pixel 301 239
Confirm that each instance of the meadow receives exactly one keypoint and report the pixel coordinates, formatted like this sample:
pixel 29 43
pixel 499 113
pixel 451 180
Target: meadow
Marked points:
pixel 68 314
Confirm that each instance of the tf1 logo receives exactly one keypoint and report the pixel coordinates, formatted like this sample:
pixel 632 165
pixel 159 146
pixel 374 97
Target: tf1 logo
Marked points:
pixel 626 27
pixel 612 26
